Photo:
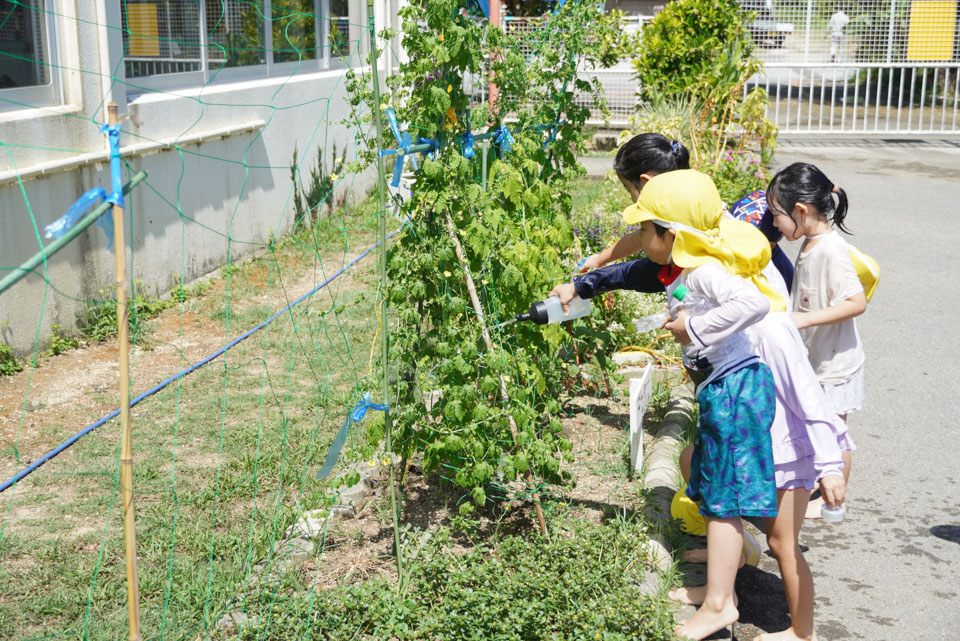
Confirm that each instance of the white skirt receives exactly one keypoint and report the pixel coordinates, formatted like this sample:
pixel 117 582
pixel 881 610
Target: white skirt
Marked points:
pixel 847 396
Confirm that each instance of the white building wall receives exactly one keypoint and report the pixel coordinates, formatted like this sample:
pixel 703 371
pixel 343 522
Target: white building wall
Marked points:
pixel 236 185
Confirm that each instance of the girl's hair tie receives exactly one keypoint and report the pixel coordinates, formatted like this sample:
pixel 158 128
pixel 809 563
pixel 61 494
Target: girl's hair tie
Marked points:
pixel 675 146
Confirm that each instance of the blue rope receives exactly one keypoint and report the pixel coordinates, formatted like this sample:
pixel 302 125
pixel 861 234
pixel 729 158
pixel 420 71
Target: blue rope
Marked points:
pixel 73 439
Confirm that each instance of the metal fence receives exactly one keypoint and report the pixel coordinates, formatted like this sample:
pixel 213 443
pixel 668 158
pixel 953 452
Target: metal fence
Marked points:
pixel 876 66
pixel 619 83
pixel 873 67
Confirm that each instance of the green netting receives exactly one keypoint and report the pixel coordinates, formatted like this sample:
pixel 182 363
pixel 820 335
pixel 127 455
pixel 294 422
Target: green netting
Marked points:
pixel 225 456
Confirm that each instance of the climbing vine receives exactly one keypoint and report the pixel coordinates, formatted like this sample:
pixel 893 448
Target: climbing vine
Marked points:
pixel 513 233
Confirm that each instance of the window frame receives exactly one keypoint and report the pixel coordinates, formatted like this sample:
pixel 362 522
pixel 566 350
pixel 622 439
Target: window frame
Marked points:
pixel 208 75
pixel 51 93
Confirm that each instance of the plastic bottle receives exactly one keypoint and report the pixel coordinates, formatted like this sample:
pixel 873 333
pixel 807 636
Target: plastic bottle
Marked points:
pixel 551 311
pixel 651 322
pixel 655 321
pixel 832 514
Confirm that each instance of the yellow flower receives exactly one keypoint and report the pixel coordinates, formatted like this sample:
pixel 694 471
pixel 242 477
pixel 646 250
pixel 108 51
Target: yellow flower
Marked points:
pixel 563 365
pixel 449 88
pixel 371 462
pixel 441 37
pixel 447 274
pixel 485 282
pixel 334 176
pixel 386 461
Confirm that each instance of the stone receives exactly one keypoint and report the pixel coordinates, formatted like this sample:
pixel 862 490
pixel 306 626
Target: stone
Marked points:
pixel 236 621
pixel 604 140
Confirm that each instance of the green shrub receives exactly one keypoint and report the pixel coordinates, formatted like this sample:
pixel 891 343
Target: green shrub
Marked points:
pixel 61 341
pixel 9 363
pixel 689 47
pixel 98 322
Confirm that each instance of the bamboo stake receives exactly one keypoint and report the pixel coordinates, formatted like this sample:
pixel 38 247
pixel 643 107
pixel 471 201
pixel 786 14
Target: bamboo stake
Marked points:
pixel 395 504
pixel 126 446
pixel 528 477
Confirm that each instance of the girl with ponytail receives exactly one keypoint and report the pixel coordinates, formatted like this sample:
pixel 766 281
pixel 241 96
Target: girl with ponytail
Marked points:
pixel 826 294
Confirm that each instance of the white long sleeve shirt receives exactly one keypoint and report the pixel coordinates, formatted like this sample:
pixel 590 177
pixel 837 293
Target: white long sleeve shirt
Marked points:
pixel 720 306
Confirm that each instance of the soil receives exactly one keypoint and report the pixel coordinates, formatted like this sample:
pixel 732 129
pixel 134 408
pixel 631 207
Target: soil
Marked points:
pixel 360 547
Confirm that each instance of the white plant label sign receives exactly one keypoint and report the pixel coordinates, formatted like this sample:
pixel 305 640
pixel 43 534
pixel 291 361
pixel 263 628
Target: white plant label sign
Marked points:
pixel 641 391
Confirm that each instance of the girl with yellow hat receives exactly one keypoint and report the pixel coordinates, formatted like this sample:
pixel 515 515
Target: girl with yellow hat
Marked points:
pixel 718 292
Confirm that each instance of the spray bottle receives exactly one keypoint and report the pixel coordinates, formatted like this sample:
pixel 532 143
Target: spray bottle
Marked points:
pixel 551 311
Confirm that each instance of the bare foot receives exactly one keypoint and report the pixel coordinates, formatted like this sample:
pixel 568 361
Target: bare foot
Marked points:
pixel 706 621
pixel 690 596
pixel 813 509
pixel 786 635
pixel 693 596
pixel 699 555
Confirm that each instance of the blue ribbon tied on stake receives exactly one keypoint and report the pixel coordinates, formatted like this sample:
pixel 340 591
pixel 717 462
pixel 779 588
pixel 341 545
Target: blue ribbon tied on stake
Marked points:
pixel 505 139
pixel 404 142
pixel 96 195
pixel 355 416
pixel 466 142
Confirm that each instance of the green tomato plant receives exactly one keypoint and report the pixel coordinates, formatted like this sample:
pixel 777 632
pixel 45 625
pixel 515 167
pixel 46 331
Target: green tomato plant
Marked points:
pixel 515 236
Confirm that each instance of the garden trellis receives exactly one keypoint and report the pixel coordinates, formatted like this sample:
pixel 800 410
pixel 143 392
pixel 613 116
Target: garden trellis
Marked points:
pixel 240 385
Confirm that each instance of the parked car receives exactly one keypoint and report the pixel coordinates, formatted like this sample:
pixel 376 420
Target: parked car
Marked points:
pixel 765 29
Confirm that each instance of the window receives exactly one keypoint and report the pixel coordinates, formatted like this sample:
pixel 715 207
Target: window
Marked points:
pixel 339 29
pixel 161 37
pixel 164 45
pixel 294 30
pixel 28 73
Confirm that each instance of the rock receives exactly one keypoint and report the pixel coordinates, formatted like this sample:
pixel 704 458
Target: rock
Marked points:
pixel 236 621
pixel 313 524
pixel 604 140
pixel 631 358
pixel 292 552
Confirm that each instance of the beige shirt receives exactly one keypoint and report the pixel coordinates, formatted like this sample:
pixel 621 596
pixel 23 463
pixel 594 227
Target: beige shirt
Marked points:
pixel 825 276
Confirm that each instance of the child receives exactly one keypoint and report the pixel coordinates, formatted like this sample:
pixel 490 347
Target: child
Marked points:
pixel 682 225
pixel 827 295
pixel 638 160
pixel 805 433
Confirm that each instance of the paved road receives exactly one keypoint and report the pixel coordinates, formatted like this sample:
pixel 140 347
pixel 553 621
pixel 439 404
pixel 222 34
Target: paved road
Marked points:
pixel 891 570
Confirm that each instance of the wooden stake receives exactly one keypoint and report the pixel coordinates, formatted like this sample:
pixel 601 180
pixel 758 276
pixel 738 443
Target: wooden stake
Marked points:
pixel 528 477
pixel 126 446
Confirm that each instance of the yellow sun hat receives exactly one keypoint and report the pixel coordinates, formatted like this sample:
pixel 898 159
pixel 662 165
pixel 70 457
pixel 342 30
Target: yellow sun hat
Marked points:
pixel 688 202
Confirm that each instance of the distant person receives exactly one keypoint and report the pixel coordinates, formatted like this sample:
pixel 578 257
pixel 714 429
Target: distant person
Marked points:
pixel 838 39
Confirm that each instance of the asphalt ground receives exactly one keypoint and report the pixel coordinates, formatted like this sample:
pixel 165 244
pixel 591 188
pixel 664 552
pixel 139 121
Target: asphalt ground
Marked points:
pixel 891 569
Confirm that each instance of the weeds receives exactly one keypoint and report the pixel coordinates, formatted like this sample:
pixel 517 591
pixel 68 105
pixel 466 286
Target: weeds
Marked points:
pixel 61 341
pixel 99 321
pixel 9 363
pixel 307 202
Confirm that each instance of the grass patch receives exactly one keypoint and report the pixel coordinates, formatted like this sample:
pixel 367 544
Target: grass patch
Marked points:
pixel 224 461
pixel 583 583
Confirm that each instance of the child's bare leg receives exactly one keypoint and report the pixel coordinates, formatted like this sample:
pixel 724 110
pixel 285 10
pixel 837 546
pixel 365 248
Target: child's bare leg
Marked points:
pixel 694 595
pixel 783 533
pixel 699 555
pixel 686 456
pixel 724 542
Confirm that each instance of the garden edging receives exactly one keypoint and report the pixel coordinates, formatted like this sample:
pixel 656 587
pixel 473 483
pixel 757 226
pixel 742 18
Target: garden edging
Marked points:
pixel 661 477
